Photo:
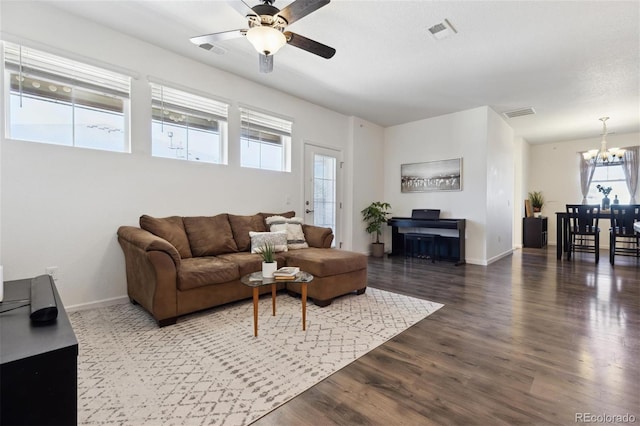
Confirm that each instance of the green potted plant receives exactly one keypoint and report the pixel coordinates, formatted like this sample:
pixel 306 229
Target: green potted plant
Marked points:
pixel 375 216
pixel 269 264
pixel 537 201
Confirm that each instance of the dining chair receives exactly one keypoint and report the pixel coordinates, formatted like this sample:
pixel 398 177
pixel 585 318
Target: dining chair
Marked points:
pixel 584 234
pixel 623 240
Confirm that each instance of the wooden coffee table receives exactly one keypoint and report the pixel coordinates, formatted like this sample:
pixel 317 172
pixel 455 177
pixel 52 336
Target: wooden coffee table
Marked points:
pixel 256 280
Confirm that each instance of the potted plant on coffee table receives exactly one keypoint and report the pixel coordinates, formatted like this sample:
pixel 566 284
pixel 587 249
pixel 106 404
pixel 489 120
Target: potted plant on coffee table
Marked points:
pixel 375 216
pixel 269 264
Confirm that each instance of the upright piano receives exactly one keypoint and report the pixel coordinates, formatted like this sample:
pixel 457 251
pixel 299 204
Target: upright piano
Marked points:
pixel 451 244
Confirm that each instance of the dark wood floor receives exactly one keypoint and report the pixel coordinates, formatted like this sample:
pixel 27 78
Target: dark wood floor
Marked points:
pixel 526 340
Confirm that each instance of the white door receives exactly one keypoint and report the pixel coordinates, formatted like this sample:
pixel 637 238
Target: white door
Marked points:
pixel 322 205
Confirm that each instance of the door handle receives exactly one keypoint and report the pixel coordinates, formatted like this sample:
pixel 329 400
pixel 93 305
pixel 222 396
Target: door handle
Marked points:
pixel 308 211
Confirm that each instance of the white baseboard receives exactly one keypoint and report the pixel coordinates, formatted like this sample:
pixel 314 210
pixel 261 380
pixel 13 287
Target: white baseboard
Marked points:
pixel 472 261
pixel 99 304
pixel 500 256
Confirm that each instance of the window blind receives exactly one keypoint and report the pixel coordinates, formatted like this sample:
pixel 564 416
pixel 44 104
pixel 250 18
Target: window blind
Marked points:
pixel 167 98
pixel 32 62
pixel 252 120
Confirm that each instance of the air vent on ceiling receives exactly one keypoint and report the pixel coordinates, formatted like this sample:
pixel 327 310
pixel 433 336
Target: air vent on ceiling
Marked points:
pixel 442 30
pixel 215 49
pixel 519 112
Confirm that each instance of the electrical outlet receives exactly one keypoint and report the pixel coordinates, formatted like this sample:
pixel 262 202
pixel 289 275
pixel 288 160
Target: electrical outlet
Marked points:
pixel 53 271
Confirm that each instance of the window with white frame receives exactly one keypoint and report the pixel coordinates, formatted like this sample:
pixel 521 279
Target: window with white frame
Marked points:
pixel 265 141
pixel 187 126
pixel 609 175
pixel 55 100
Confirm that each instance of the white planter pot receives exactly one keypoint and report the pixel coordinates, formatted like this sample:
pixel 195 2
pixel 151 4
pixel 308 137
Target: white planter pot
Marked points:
pixel 268 269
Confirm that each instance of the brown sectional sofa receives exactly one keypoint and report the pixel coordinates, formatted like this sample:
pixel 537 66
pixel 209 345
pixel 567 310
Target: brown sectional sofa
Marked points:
pixel 179 265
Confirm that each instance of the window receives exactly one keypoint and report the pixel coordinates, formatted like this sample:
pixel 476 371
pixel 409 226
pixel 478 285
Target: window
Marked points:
pixel 188 127
pixel 609 175
pixel 265 141
pixel 324 187
pixel 59 101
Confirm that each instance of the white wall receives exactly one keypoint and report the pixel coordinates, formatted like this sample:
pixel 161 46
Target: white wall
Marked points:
pixel 62 206
pixel 462 134
pixel 368 167
pixel 553 169
pixel 521 182
pixel 500 187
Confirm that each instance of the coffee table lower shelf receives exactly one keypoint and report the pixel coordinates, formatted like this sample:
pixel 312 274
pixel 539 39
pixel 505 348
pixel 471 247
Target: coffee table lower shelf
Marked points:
pixel 256 280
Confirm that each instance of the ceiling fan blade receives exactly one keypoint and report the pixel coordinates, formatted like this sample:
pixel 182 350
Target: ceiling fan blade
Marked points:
pixel 301 8
pixel 266 63
pixel 208 40
pixel 309 45
pixel 241 7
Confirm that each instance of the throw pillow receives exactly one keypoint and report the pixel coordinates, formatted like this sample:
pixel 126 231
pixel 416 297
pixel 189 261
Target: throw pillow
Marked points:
pixel 170 229
pixel 266 215
pixel 277 239
pixel 293 227
pixel 210 236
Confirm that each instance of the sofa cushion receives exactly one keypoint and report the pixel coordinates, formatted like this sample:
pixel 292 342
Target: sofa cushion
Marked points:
pixel 204 271
pixel 276 239
pixel 210 236
pixel 322 262
pixel 250 262
pixel 293 228
pixel 242 225
pixel 169 228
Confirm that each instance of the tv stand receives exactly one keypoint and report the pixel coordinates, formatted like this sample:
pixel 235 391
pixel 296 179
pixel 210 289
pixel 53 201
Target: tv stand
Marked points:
pixel 39 364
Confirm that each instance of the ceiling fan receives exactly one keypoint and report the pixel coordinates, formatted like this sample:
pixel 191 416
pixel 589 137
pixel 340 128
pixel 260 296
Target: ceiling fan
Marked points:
pixel 266 30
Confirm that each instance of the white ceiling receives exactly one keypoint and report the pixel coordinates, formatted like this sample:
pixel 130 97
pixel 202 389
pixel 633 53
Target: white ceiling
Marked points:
pixel 572 61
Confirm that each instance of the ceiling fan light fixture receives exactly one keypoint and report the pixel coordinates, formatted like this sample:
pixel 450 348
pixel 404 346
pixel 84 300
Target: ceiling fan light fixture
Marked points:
pixel 266 40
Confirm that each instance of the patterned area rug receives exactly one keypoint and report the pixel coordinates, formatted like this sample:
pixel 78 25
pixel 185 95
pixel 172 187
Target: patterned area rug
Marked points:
pixel 209 369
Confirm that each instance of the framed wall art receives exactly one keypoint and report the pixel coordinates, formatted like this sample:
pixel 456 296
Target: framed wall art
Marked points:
pixel 441 175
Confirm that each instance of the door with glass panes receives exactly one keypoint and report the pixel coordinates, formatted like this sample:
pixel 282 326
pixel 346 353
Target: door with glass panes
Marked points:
pixel 322 203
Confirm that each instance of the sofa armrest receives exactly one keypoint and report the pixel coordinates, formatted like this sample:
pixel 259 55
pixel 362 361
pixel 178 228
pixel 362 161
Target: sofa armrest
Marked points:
pixel 146 241
pixel 151 267
pixel 317 236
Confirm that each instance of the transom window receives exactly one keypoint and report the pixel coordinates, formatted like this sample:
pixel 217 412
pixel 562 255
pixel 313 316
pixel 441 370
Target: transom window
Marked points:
pixel 609 175
pixel 265 141
pixel 187 126
pixel 59 101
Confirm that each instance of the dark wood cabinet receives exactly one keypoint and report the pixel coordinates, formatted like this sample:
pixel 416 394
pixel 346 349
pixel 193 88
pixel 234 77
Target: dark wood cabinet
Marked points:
pixel 39 369
pixel 534 232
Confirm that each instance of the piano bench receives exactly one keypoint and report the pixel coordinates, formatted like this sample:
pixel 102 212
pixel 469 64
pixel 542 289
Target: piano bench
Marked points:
pixel 411 239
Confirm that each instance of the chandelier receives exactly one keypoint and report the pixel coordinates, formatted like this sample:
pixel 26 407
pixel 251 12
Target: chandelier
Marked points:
pixel 604 155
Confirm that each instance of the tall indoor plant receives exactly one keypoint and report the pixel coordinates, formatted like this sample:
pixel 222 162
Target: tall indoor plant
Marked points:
pixel 375 215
